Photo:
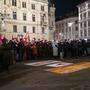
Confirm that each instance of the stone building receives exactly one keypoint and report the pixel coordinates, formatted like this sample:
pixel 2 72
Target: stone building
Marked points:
pixel 84 20
pixel 67 29
pixel 21 17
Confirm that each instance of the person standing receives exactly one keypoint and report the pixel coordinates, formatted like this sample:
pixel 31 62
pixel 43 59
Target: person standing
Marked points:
pixel 55 49
pixel 34 51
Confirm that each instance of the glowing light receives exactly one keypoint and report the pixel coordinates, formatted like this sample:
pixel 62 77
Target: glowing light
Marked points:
pixel 70 24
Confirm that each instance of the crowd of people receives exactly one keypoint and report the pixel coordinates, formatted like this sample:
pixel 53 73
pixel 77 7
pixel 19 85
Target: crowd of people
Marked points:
pixel 17 51
pixel 42 49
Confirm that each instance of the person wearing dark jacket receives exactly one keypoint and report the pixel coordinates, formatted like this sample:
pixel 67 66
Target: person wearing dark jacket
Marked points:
pixel 5 57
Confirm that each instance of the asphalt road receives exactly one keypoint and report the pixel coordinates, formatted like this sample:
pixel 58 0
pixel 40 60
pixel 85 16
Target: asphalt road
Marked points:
pixel 29 77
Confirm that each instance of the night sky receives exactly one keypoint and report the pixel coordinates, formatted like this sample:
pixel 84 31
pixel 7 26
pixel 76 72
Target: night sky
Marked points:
pixel 66 6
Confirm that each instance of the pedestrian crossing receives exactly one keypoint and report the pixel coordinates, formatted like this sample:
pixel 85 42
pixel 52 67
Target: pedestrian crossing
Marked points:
pixel 60 67
pixel 70 69
pixel 49 63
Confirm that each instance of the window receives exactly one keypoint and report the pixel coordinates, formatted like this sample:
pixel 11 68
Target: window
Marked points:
pixel 42 8
pixel 24 4
pixel 85 24
pixel 76 28
pixel 24 29
pixel 76 22
pixel 43 30
pixel 33 29
pixel 85 32
pixel 14 15
pixel 33 18
pixel 24 17
pixel 88 23
pixel 81 25
pixel 88 5
pixel 69 29
pixel 14 3
pixel 76 36
pixel 33 6
pixel 89 14
pixel 81 32
pixel 84 15
pixel 89 32
pixel 4 2
pixel 14 28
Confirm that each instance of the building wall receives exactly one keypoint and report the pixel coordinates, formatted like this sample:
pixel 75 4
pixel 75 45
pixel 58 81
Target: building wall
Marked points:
pixel 84 20
pixel 67 28
pixel 9 22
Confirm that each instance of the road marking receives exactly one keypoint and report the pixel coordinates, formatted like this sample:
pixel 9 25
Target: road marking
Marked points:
pixel 41 63
pixel 70 68
pixel 49 63
pixel 59 64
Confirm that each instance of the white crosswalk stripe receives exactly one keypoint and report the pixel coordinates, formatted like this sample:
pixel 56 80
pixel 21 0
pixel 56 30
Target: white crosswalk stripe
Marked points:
pixel 49 63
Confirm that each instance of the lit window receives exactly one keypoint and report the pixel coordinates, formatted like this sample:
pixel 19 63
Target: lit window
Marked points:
pixel 14 28
pixel 14 3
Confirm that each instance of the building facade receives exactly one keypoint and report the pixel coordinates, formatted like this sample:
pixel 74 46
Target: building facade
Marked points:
pixel 25 17
pixel 67 29
pixel 84 20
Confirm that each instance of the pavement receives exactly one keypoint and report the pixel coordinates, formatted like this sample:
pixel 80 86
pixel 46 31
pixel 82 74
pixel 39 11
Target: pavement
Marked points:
pixel 48 75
